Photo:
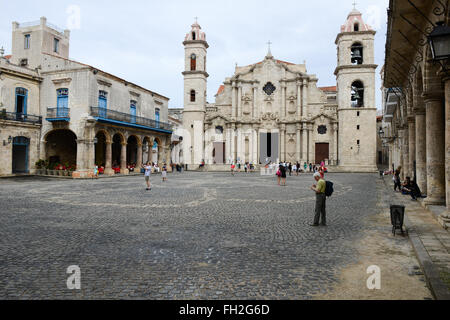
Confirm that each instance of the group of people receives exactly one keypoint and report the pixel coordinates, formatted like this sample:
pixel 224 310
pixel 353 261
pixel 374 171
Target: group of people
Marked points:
pixel 247 166
pixel 148 168
pixel 408 187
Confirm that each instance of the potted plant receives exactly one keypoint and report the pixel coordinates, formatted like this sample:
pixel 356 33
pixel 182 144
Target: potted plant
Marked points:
pixel 3 112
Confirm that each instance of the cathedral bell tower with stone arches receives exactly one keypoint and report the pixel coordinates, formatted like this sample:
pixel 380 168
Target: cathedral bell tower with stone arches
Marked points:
pixel 195 84
pixel 355 75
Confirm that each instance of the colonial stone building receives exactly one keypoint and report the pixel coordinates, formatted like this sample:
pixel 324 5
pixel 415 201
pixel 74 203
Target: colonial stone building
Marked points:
pixel 20 120
pixel 417 101
pixel 273 110
pixel 89 117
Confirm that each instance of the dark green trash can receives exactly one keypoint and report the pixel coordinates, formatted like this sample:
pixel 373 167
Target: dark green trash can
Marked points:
pixel 397 218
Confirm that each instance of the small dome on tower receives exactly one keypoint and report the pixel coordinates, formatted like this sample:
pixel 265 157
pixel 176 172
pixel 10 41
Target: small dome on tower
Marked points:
pixel 355 23
pixel 195 33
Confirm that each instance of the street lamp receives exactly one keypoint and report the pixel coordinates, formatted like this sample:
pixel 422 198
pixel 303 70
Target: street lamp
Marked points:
pixel 439 40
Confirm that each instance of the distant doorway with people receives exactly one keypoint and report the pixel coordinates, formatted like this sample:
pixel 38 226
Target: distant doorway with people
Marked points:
pixel 322 152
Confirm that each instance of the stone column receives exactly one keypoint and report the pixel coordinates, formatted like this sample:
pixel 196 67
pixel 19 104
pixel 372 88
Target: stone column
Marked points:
pixel 412 145
pixel 447 147
pixel 258 146
pixel 311 148
pixel 255 145
pixel 233 147
pixel 228 145
pixel 336 143
pixel 233 100
pixel 283 142
pixel 239 102
pixel 298 149
pixel 406 168
pixel 123 159
pixel 108 159
pixel 239 143
pixel 305 99
pixel 299 100
pixel 255 103
pixel 435 150
pixel 305 156
pixel 283 101
pixel 139 157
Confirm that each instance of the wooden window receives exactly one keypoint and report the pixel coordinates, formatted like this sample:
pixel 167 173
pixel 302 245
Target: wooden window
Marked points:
pixel 192 95
pixel 193 62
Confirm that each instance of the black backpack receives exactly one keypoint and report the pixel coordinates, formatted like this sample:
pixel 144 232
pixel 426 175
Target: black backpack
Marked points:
pixel 329 189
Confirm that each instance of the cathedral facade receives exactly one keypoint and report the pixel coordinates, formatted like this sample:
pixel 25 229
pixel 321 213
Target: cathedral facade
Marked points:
pixel 274 111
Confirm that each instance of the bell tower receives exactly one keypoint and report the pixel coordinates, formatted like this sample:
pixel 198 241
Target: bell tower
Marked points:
pixel 355 76
pixel 195 85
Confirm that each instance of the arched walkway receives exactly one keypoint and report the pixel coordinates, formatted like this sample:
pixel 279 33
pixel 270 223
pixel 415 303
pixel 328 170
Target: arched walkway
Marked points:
pixel 132 151
pixel 61 148
pixel 100 149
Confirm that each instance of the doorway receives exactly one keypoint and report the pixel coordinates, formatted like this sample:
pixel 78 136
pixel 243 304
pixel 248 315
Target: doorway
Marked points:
pixel 322 152
pixel 20 155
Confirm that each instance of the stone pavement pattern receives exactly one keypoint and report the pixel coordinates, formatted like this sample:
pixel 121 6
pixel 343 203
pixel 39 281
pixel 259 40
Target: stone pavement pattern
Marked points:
pixel 197 236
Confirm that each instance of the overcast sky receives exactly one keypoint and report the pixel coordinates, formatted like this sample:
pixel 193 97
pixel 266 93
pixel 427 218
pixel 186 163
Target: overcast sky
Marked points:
pixel 141 41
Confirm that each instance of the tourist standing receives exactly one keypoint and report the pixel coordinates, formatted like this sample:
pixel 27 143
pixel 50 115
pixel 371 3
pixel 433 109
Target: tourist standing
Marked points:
pixel 148 170
pixel 397 182
pixel 233 166
pixel 294 168
pixel 164 173
pixel 283 175
pixel 321 199
pixel 290 169
pixel 279 173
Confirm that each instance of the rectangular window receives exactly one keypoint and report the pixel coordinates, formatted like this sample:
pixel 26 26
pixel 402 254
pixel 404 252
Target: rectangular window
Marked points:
pixel 27 41
pixel 56 45
pixel 133 111
pixel 357 127
pixel 357 114
pixel 357 142
pixel 157 117
pixel 102 103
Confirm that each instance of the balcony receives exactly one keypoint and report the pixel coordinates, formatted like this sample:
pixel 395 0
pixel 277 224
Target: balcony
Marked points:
pixel 128 120
pixel 58 114
pixel 14 116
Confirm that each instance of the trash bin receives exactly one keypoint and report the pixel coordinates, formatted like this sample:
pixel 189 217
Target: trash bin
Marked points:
pixel 397 218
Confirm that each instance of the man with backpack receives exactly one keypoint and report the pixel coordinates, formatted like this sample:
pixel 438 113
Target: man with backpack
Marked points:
pixel 321 198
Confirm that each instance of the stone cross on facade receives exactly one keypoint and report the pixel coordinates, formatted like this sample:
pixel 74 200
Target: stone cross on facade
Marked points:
pixel 269 54
pixel 354 4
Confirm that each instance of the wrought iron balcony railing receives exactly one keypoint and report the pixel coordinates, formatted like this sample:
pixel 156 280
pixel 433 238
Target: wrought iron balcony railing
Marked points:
pixel 14 116
pixel 129 119
pixel 58 114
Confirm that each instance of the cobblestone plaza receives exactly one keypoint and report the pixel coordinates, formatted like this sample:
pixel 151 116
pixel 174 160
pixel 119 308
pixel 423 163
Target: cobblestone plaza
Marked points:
pixel 197 236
